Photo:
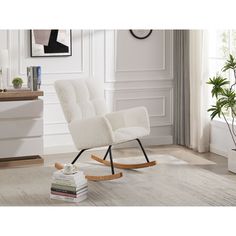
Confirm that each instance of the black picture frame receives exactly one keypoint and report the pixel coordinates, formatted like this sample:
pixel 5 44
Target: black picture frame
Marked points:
pixel 32 54
pixel 139 37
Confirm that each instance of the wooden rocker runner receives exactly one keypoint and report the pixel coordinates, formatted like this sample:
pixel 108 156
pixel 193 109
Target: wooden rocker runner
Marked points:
pixel 125 166
pixel 112 164
pixel 91 125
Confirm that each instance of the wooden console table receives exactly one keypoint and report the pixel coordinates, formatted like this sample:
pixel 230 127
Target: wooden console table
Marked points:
pixel 21 128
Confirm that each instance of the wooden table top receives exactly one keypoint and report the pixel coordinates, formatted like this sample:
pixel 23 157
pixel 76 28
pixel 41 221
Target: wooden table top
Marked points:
pixel 17 95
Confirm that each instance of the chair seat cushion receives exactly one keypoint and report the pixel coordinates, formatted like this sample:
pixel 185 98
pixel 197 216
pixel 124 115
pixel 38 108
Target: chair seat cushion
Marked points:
pixel 130 133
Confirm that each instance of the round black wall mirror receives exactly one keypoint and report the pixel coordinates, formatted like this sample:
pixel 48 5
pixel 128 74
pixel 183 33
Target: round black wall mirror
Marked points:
pixel 141 34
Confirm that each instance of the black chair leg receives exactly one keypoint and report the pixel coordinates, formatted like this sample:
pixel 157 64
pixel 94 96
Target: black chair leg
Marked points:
pixel 104 158
pixel 78 156
pixel 111 160
pixel 144 153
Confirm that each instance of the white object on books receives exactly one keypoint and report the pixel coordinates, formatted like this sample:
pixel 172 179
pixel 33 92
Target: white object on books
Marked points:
pixel 69 169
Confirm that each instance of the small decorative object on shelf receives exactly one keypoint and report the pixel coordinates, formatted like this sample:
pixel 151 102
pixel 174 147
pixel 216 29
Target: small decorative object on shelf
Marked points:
pixel 17 82
pixel 141 33
pixel 34 77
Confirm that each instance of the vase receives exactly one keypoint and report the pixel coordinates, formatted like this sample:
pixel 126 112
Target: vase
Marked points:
pixel 232 160
pixel 17 86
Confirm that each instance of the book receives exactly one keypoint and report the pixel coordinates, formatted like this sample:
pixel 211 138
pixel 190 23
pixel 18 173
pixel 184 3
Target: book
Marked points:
pixel 68 199
pixel 34 77
pixel 67 182
pixel 70 195
pixel 69 188
pixel 67 191
pixel 77 179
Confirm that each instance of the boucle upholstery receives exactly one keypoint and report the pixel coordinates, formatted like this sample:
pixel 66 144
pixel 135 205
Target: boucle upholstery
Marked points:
pixel 80 99
pixel 90 125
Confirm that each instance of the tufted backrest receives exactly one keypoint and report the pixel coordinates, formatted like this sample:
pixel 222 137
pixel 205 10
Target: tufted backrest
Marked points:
pixel 80 98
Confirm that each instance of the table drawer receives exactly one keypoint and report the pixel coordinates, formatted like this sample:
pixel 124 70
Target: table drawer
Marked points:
pixel 21 147
pixel 20 128
pixel 21 109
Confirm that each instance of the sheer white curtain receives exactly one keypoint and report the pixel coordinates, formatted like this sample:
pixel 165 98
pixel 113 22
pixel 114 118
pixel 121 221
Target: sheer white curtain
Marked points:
pixel 199 91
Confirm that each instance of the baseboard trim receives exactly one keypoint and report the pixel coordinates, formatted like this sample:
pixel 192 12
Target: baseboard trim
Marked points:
pixel 158 140
pixel 21 161
pixel 149 141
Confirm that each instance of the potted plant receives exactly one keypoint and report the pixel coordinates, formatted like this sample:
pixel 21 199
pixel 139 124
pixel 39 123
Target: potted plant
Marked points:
pixel 17 82
pixel 224 93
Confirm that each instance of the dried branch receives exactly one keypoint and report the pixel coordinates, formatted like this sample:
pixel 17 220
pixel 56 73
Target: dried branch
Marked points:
pixel 233 126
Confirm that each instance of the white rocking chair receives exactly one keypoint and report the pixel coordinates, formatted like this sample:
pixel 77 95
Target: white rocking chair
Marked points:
pixel 91 126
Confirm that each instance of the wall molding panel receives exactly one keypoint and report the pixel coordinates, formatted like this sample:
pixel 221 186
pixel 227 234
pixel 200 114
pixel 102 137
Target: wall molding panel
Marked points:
pixel 147 100
pixel 114 75
pixel 137 68
pixel 160 107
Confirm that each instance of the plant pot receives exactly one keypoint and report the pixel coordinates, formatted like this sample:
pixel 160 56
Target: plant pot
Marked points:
pixel 232 160
pixel 17 86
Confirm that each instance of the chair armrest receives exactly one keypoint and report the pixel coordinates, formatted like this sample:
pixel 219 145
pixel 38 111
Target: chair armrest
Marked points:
pixel 92 132
pixel 133 117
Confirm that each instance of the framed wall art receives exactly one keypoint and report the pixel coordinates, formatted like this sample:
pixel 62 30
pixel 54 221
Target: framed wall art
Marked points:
pixel 50 43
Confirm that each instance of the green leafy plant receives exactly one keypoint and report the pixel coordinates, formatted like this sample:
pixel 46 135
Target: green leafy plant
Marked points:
pixel 230 64
pixel 17 82
pixel 225 96
pixel 218 82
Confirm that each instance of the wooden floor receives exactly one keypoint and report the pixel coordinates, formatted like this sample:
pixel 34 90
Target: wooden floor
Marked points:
pixel 181 178
pixel 208 161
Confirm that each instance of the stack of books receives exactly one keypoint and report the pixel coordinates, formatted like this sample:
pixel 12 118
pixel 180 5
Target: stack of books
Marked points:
pixel 69 187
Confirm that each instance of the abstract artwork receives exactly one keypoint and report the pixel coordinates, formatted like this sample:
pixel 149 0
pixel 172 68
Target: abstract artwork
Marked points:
pixel 50 43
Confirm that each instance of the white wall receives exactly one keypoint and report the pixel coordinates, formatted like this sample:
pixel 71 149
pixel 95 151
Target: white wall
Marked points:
pixel 134 72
